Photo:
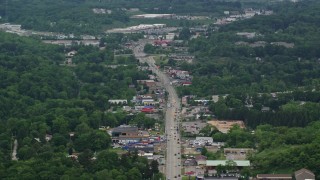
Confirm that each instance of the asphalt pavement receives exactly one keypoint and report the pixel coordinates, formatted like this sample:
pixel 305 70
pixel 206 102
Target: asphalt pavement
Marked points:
pixel 173 155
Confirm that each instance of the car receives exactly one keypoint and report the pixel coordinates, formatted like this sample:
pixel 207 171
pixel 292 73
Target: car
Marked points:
pixel 175 154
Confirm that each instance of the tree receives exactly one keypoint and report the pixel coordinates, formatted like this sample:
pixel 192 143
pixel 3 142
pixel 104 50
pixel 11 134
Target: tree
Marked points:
pixel 134 174
pixel 204 151
pixel 185 34
pixel 85 158
pixel 150 49
pixel 154 167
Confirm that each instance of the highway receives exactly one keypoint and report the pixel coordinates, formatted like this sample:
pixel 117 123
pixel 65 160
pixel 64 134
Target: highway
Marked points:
pixel 173 156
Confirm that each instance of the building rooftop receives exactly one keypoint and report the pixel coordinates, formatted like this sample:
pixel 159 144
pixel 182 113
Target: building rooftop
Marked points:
pixel 274 176
pixel 304 174
pixel 124 128
pixel 240 163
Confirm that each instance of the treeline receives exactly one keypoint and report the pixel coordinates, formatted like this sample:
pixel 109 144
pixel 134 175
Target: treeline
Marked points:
pixel 77 17
pixel 74 17
pixel 225 65
pixel 53 111
pixel 293 109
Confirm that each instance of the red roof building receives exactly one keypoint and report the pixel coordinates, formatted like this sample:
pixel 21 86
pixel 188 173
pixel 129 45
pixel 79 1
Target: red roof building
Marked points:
pixel 147 110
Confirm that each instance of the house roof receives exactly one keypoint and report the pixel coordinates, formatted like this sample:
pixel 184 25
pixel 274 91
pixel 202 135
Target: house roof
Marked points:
pixel 274 176
pixel 200 157
pixel 240 163
pixel 189 162
pixel 147 110
pixel 125 129
pixel 300 174
pixel 187 82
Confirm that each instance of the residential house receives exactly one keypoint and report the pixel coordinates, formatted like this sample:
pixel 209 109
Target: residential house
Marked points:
pixel 190 162
pixel 162 43
pixel 71 53
pixel 304 174
pixel 184 100
pixel 284 44
pixel 170 36
pixel 48 137
pixel 186 83
pixel 265 109
pixel 248 35
pixel 201 160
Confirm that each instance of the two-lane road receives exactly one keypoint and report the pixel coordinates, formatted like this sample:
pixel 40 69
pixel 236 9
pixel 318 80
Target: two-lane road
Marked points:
pixel 173 156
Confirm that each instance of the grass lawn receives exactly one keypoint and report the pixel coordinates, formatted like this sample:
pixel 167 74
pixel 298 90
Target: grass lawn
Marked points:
pixel 118 150
pixel 160 59
pixel 187 178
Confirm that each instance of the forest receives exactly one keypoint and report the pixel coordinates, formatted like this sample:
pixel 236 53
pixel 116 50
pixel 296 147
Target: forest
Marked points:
pixel 39 96
pixel 250 74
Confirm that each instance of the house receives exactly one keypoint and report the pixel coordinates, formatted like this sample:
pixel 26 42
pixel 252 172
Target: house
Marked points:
pixel 273 176
pixel 248 35
pixel 71 134
pixel 73 156
pixel 190 162
pixel 48 137
pixel 71 53
pixel 265 109
pixel 149 83
pixel 161 42
pixel 284 44
pixel 170 36
pixel 184 100
pixel 161 159
pixel 186 83
pixel 304 174
pixel 201 160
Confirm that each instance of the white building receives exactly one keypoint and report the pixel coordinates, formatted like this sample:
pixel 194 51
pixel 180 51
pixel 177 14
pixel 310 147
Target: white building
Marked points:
pixel 118 101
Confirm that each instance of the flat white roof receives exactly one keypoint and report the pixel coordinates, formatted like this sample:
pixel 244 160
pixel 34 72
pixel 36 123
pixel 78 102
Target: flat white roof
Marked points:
pixel 240 163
